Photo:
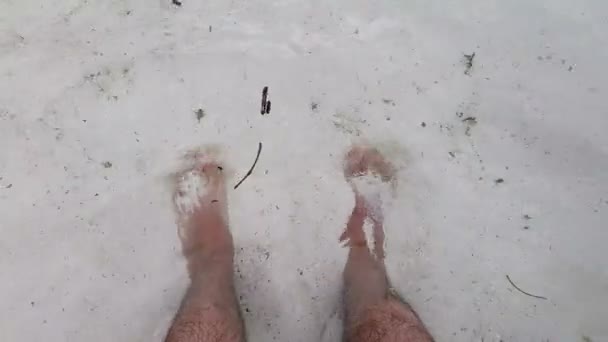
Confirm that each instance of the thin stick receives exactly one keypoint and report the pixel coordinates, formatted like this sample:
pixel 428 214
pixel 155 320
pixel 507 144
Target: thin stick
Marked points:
pixel 264 102
pixel 252 166
pixel 524 292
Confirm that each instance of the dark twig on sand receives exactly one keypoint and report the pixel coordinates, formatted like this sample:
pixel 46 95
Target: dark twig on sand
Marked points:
pixel 264 100
pixel 470 119
pixel 252 166
pixel 522 291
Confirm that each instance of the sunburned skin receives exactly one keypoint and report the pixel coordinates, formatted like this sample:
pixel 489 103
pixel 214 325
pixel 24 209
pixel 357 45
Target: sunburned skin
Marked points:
pixel 210 311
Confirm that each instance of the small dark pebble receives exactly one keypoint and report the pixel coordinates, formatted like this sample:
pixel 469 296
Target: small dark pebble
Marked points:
pixel 527 217
pixel 107 164
pixel 452 154
pixel 9 186
pixel 220 168
pixel 499 181
pixel 210 28
pixel 389 102
pixel 200 113
pixel 176 2
pixel 423 124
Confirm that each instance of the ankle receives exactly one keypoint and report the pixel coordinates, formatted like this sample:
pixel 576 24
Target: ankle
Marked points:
pixel 205 261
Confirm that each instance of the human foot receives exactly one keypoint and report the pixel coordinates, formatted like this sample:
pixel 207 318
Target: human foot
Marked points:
pixel 371 310
pixel 366 159
pixel 368 173
pixel 209 310
pixel 201 206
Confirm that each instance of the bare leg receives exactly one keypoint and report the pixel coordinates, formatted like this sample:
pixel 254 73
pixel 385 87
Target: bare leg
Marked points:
pixel 372 312
pixel 209 310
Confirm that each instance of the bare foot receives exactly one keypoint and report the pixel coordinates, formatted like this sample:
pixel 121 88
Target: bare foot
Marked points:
pixel 209 310
pixel 372 312
pixel 365 161
pixel 200 203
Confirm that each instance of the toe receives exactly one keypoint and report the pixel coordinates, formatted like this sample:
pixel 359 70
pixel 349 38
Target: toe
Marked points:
pixel 353 165
pixel 362 159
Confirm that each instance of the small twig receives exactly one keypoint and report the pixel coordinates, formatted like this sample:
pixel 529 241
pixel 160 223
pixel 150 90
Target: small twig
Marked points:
pixel 252 166
pixel 468 63
pixel 470 119
pixel 264 100
pixel 522 291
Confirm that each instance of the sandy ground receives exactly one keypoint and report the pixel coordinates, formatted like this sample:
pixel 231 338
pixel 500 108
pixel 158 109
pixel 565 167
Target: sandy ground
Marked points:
pixel 98 101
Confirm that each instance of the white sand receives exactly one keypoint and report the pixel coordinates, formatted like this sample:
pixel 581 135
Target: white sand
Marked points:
pixel 90 252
